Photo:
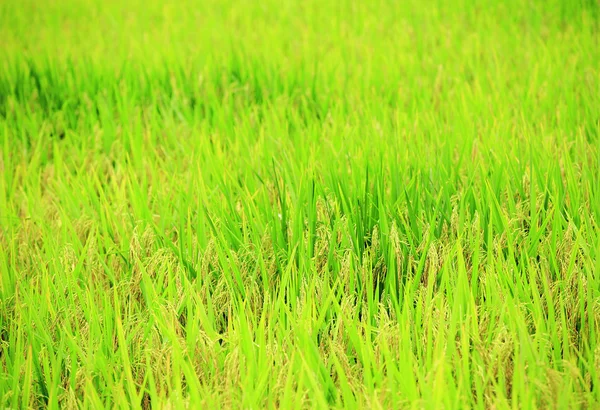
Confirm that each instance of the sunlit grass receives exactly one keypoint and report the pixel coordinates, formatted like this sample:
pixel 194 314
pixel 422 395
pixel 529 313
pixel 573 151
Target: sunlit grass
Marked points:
pixel 300 204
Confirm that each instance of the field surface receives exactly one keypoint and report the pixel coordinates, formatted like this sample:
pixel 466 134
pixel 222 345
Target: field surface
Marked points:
pixel 300 204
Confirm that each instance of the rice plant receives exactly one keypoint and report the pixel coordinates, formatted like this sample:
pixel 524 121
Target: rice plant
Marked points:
pixel 300 204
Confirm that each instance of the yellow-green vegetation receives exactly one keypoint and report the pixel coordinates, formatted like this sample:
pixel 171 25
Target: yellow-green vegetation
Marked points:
pixel 300 204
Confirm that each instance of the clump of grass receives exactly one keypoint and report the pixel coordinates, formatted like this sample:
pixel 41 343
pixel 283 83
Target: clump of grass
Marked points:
pixel 307 204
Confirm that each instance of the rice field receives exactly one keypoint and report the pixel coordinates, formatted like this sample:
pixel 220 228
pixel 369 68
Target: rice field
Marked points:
pixel 300 204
